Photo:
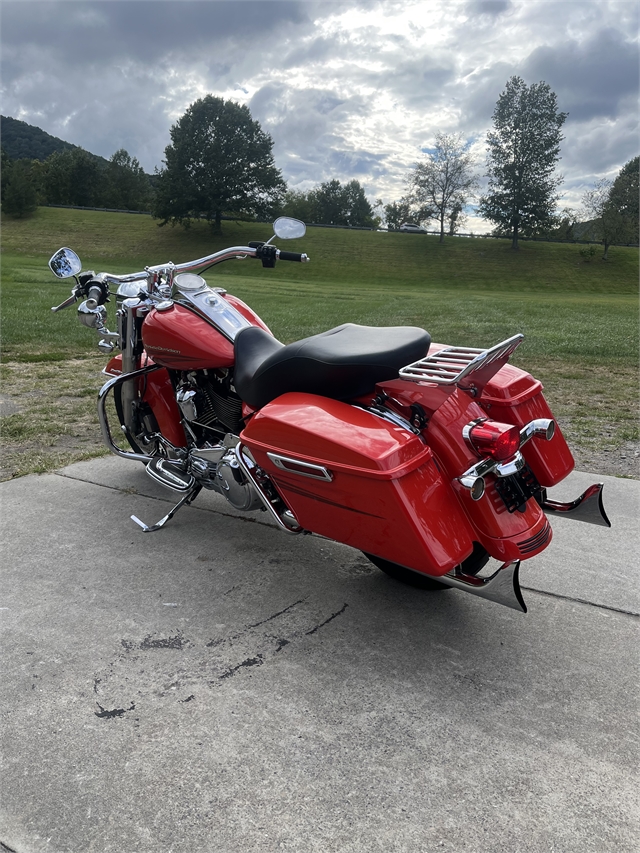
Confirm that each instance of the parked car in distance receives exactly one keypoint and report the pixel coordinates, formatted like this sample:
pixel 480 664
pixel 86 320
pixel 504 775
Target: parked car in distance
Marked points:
pixel 412 228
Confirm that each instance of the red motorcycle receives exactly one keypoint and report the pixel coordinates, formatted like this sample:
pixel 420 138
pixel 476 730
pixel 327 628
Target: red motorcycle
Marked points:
pixel 430 459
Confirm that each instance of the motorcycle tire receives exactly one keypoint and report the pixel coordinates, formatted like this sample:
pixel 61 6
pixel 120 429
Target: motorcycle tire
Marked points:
pixel 117 401
pixel 471 566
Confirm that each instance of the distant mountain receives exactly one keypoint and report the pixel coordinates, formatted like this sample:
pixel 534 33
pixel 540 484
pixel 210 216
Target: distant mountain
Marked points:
pixel 26 141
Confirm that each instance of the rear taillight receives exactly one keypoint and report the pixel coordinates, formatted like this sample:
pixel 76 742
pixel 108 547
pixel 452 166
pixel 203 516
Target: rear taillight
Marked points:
pixel 490 438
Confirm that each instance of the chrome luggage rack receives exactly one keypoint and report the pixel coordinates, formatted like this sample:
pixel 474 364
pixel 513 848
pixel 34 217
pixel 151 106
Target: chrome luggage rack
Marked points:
pixel 466 367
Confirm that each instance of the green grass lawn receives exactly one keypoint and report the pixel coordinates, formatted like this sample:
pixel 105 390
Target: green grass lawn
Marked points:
pixel 580 320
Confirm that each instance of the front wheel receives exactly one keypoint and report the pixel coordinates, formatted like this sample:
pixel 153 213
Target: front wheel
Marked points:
pixel 471 566
pixel 146 425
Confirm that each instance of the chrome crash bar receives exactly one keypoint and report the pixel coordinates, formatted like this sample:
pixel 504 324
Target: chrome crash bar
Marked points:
pixel 102 413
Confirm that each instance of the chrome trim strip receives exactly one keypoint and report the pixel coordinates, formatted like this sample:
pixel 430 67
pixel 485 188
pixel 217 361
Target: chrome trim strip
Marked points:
pixel 589 507
pixel 316 472
pixel 503 587
pixel 389 416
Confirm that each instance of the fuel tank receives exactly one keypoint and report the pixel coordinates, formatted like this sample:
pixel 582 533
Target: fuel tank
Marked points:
pixel 179 338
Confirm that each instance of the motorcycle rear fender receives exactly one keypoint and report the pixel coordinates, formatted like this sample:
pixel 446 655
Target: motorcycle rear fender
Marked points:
pixel 511 396
pixel 356 478
pixel 506 536
pixel 157 391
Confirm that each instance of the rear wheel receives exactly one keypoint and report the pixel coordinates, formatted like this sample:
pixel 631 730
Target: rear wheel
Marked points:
pixel 471 566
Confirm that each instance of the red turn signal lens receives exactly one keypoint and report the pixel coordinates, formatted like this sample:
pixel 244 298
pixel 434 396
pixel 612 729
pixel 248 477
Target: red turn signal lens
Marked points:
pixel 490 438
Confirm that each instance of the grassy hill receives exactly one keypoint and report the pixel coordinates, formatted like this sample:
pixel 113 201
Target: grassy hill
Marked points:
pixel 379 259
pixel 464 291
pixel 580 320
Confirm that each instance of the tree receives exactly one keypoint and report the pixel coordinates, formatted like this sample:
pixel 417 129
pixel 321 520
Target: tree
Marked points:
pixel 20 197
pixel 445 181
pixel 73 177
pixel 405 210
pixel 613 206
pixel 564 225
pixel 127 186
pixel 333 203
pixel 624 195
pixel 5 166
pixel 219 162
pixel 296 203
pixel 524 147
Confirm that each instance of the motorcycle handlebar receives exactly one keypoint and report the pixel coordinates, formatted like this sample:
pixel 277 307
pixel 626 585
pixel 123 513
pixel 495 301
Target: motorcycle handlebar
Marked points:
pixel 209 260
pixel 293 256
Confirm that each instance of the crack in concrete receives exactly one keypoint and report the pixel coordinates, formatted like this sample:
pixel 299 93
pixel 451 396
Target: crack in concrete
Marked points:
pixel 581 601
pixel 256 661
pixel 326 621
pixel 115 712
pixel 275 615
pixel 167 499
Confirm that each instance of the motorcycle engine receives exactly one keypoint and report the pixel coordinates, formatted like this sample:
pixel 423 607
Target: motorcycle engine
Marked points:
pixel 213 410
pixel 208 399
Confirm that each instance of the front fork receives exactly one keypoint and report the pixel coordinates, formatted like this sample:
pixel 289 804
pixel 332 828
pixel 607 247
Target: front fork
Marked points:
pixel 130 319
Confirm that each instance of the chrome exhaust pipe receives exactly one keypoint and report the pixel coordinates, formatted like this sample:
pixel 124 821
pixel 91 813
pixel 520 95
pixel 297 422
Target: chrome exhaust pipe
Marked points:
pixel 503 587
pixel 542 427
pixel 588 507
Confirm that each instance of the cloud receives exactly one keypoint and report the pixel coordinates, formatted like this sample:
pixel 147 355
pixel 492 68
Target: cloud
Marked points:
pixel 593 76
pixel 491 8
pixel 104 31
pixel 348 89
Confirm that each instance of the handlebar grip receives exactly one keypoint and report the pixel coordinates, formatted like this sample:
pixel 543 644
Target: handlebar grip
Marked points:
pixel 94 297
pixel 293 256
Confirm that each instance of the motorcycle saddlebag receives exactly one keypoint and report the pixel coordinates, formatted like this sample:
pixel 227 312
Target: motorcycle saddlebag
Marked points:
pixel 354 477
pixel 515 397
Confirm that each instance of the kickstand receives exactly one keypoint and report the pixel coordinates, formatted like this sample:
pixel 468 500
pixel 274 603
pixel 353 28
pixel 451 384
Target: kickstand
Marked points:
pixel 191 496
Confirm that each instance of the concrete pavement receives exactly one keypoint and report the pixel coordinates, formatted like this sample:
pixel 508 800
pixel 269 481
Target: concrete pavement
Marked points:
pixel 220 686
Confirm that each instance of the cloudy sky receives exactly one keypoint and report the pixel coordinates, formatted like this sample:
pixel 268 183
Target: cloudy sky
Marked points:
pixel 347 89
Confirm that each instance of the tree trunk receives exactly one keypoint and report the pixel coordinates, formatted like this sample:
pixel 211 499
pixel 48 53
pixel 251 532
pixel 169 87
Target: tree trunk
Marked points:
pixel 218 222
pixel 514 241
pixel 442 226
pixel 605 257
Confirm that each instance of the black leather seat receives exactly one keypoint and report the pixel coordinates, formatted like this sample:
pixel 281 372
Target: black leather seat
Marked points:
pixel 341 363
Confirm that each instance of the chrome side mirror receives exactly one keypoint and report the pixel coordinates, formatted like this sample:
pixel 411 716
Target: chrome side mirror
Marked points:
pixel 289 229
pixel 65 263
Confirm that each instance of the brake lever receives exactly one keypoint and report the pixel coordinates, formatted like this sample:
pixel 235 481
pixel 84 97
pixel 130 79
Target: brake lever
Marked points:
pixel 73 298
